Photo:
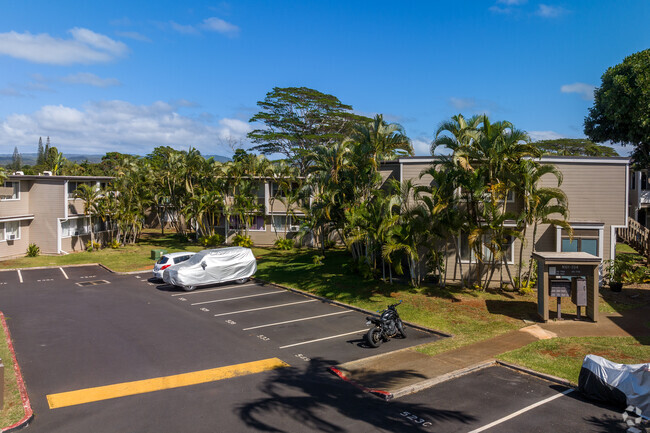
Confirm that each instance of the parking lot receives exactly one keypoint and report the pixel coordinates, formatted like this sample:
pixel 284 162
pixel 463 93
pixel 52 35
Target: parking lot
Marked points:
pixel 248 357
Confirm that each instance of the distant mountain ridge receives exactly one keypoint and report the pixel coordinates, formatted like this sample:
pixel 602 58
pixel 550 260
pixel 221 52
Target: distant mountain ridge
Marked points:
pixel 30 158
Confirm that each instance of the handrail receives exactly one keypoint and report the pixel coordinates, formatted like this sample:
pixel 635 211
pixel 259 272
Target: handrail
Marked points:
pixel 636 236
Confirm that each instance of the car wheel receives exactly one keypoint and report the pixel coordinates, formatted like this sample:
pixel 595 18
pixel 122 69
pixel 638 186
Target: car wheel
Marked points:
pixel 241 280
pixel 189 288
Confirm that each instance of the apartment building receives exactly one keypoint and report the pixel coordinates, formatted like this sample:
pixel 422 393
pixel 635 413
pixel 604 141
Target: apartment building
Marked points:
pixel 42 210
pixel 597 192
pixel 639 202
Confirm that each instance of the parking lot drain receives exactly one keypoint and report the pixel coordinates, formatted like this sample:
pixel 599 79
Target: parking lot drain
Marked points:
pixel 92 283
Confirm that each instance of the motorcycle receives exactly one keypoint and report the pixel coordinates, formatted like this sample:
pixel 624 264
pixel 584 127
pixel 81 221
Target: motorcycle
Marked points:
pixel 387 325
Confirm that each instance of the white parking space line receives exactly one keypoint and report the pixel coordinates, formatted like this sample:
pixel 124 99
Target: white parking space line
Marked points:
pixel 296 320
pixel 265 308
pixel 519 412
pixel 64 274
pixel 215 290
pixel 322 339
pixel 239 297
pixel 20 276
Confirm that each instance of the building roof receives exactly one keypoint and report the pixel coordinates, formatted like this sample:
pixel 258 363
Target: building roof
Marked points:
pixel 623 160
pixel 47 177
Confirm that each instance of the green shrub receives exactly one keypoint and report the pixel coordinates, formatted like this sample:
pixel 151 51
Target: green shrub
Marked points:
pixel 318 260
pixel 92 246
pixel 242 241
pixel 211 241
pixel 284 244
pixel 329 244
pixel 115 244
pixel 33 250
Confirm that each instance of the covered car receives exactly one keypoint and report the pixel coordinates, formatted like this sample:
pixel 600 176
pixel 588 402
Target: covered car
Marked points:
pixel 211 267
pixel 618 384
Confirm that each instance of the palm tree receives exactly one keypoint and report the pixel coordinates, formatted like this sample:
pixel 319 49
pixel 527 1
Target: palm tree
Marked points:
pixel 90 195
pixel 381 140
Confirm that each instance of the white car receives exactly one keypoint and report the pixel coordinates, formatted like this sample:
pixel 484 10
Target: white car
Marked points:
pixel 207 267
pixel 168 260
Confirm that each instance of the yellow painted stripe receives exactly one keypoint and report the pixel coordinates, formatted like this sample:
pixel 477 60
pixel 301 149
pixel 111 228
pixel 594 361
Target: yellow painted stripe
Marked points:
pixel 90 395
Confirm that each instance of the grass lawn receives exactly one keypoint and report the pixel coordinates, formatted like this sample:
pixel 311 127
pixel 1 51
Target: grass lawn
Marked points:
pixel 12 411
pixel 563 357
pixel 468 315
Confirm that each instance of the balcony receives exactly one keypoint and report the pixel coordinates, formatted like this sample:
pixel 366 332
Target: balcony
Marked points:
pixel 645 197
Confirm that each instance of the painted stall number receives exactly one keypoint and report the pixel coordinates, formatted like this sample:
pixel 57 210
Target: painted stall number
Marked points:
pixel 263 338
pixel 416 419
pixel 231 322
pixel 204 309
pixel 303 357
pixel 182 299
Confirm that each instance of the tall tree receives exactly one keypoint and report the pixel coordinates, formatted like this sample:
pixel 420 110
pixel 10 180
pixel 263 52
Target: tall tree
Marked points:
pixel 574 147
pixel 40 158
pixel 16 160
pixel 297 119
pixel 620 112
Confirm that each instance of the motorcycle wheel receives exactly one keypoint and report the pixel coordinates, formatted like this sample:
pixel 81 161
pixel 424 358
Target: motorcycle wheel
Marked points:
pixel 400 328
pixel 373 337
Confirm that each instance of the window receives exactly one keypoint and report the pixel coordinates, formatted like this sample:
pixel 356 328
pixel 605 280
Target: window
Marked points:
pixel 75 227
pixel 10 191
pixel 586 245
pixel 257 223
pixel 466 252
pixel 10 231
pixel 280 222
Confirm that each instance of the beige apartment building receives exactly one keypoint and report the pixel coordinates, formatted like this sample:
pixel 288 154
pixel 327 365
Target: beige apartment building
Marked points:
pixel 42 210
pixel 597 192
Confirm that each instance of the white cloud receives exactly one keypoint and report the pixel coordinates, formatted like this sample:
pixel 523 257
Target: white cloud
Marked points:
pixel 212 24
pixel 185 29
pixel 544 135
pixel 91 80
pixel 134 35
pixel 586 91
pixel 119 126
pixel 462 103
pixel 548 11
pixel 85 47
pixel 421 146
pixel 215 24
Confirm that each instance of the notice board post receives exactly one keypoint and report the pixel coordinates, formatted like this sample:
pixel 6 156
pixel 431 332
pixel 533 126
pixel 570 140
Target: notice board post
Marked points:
pixel 554 266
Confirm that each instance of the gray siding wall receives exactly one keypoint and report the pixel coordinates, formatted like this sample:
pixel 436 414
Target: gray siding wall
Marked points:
pixel 18 247
pixel 17 207
pixel 47 199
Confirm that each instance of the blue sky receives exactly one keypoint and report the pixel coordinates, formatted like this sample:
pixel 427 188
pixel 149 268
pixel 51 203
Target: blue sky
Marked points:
pixel 128 76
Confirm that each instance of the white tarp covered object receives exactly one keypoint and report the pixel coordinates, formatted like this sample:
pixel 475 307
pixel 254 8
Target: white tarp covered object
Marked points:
pixel 619 384
pixel 213 266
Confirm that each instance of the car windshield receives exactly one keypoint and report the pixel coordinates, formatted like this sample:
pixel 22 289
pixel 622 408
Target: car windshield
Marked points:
pixel 181 259
pixel 163 260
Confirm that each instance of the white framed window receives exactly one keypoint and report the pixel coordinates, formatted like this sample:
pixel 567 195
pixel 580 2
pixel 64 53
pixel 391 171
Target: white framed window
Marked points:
pixel 582 244
pixel 75 227
pixel 281 221
pixel 10 190
pixel 10 231
pixel 257 223
pixel 467 253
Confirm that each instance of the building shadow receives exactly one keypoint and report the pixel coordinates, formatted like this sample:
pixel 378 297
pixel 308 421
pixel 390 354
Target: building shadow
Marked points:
pixel 318 401
pixel 520 310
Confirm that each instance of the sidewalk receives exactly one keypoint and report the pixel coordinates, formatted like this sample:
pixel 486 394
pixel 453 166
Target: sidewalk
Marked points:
pixel 407 371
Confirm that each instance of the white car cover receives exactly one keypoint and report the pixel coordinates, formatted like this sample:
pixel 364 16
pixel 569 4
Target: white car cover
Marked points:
pixel 620 384
pixel 213 266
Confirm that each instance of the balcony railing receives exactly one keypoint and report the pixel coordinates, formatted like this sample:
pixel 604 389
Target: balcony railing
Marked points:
pixel 636 236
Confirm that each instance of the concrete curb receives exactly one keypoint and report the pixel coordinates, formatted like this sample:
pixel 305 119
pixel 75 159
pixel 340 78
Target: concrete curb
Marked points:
pixel 351 307
pixel 124 273
pixel 544 376
pixel 411 389
pixel 29 413
pixel 379 393
pixel 79 265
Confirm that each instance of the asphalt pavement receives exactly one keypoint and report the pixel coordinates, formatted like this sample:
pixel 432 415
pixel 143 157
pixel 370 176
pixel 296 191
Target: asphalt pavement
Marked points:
pixel 178 360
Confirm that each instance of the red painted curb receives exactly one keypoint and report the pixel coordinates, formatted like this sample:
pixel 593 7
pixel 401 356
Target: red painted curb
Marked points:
pixel 29 414
pixel 379 393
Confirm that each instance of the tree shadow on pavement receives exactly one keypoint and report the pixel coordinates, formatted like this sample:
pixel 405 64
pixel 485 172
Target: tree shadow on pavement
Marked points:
pixel 318 401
